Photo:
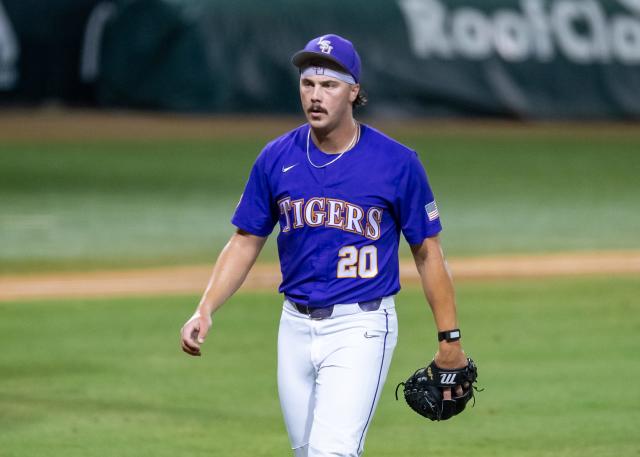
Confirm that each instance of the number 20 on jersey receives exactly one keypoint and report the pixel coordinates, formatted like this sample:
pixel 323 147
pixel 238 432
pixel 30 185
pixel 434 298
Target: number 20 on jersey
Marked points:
pixel 358 263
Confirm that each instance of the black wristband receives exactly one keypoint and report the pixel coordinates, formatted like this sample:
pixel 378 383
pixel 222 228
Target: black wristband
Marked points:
pixel 449 335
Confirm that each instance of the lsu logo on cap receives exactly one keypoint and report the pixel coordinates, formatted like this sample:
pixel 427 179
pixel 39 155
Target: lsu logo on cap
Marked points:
pixel 325 46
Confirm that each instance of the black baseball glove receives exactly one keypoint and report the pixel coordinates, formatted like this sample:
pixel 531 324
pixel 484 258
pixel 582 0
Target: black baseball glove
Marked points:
pixel 423 391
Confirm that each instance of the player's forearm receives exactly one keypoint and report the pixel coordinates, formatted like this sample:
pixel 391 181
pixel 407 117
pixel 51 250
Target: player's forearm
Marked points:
pixel 230 270
pixel 437 284
pixel 438 287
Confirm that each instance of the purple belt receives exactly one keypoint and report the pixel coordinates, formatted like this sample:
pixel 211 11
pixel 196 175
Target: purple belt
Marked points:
pixel 327 311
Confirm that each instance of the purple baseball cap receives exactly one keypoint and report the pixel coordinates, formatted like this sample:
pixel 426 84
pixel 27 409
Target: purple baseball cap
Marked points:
pixel 334 48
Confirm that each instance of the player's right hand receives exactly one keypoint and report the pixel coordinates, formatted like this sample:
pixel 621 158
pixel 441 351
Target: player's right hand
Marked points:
pixel 194 332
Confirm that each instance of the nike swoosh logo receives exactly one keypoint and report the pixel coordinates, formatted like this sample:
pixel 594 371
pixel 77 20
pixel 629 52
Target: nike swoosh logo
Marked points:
pixel 285 169
pixel 366 335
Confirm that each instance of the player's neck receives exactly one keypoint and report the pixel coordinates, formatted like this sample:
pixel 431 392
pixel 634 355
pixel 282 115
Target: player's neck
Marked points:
pixel 337 140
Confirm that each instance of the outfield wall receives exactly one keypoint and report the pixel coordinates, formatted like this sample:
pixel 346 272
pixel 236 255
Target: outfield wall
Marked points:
pixel 532 59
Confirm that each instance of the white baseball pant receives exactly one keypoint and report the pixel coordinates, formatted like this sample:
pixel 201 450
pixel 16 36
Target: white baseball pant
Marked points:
pixel 330 375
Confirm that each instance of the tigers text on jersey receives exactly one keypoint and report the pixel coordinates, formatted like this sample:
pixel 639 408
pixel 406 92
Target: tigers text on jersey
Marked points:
pixel 340 224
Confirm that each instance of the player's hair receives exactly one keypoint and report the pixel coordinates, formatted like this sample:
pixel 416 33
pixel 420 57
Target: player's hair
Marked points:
pixel 361 99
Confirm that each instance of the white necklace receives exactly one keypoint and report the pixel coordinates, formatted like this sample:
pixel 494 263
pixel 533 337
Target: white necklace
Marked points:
pixel 350 146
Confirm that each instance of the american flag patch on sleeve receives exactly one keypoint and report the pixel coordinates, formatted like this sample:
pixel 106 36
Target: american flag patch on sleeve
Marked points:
pixel 432 211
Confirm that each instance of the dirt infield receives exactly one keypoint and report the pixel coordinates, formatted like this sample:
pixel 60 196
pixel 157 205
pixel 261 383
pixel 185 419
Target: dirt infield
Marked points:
pixel 192 279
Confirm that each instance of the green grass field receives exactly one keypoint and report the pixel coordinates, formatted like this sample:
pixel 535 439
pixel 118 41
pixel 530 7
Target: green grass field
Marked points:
pixel 95 378
pixel 95 204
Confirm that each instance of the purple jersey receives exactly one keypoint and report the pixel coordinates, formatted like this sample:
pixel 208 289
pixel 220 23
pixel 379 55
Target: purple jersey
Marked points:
pixel 339 225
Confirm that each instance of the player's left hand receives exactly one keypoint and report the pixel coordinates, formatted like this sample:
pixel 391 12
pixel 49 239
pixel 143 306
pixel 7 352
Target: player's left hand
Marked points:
pixel 425 390
pixel 450 356
pixel 193 333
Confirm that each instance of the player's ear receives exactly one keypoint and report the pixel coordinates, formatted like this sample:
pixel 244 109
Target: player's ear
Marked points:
pixel 353 94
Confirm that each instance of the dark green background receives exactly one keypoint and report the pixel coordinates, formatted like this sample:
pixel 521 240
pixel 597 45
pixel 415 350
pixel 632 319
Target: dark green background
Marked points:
pixel 217 56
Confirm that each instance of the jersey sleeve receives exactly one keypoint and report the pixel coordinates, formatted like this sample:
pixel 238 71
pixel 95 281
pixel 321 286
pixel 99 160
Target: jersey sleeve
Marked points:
pixel 416 205
pixel 256 212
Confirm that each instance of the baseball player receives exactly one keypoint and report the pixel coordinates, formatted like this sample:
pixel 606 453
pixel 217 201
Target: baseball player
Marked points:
pixel 341 192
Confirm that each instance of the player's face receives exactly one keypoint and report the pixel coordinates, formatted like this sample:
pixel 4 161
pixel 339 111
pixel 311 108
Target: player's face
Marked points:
pixel 327 101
